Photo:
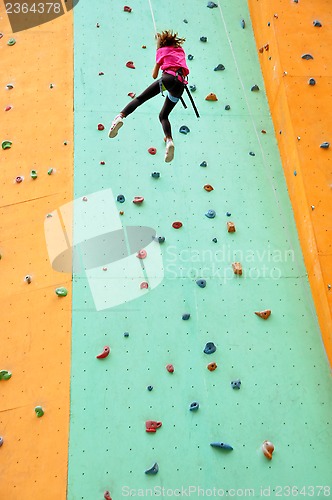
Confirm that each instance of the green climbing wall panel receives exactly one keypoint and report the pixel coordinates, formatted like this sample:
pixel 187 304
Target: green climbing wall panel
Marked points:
pixel 285 392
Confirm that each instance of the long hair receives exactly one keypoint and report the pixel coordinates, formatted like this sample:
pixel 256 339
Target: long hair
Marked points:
pixel 168 38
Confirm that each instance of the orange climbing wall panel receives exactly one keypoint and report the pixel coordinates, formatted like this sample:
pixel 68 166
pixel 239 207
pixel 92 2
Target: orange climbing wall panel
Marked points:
pixel 35 323
pixel 302 119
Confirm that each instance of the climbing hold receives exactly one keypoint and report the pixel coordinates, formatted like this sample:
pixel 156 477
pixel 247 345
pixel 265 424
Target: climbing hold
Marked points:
pixel 153 470
pixel 39 411
pixel 152 425
pixel 185 316
pixel 1 35
pixel 143 285
pixel 1 441
pixel 9 86
pixel 228 214
pixel 317 23
pixel 210 214
pixel 19 179
pixel 211 97
pixel 33 174
pixel 254 88
pixel 184 129
pixel 214 240
pixel 208 187
pixel 120 198
pixel 170 368
pixel 312 207
pixel 11 41
pixel 263 131
pixel 268 449
pixel 203 39
pixel 227 107
pixel 85 198
pixel 107 495
pixel 100 126
pixel 8 108
pixel 27 278
pixel 138 199
pixel 212 366
pixel 209 348
pixel 152 151
pixel 243 23
pixel 61 291
pixel 177 225
pixel 127 9
pixel 121 212
pixel 263 314
pixel 295 173
pixel 141 254
pixel 192 88
pixel 190 57
pixel 185 21
pixel 201 283
pixel 5 375
pixel 130 64
pixel 155 175
pixel 51 85
pixel 220 67
pixel 6 144
pixel 325 145
pixel 212 5
pixel 224 446
pixel 105 353
pixel 160 239
pixel 231 227
pixel 126 334
pixel 252 153
pixel 237 268
pixel 307 56
pixel 150 388
pixel 101 73
pixel 131 94
pixel 143 46
pixel 236 384
pixel 194 406
pixel 312 81
pixel 50 171
pixel 102 162
pixel 203 164
pixel 97 25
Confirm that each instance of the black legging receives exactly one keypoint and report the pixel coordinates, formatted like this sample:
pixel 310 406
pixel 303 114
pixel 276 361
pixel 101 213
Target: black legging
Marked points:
pixel 175 88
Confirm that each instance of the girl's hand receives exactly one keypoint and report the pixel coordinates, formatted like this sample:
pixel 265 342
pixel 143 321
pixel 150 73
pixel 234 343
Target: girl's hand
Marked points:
pixel 155 71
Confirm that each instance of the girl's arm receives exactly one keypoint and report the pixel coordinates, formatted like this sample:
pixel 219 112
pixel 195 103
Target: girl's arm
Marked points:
pixel 155 71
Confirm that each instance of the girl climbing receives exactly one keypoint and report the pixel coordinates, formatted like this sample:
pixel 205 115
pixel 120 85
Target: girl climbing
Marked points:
pixel 171 59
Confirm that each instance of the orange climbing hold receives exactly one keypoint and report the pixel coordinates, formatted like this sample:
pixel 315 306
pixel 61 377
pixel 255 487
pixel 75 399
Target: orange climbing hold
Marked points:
pixel 263 314
pixel 211 97
pixel 237 268
pixel 208 187
pixel 268 449
pixel 231 227
pixel 212 366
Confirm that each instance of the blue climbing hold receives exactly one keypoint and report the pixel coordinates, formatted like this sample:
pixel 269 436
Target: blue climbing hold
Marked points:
pixel 160 239
pixel 227 107
pixel 228 214
pixel 307 56
pixel 185 21
pixel 194 406
pixel 214 240
pixel 185 316
pixel 316 23
pixel 312 81
pixel 210 348
pixel 201 283
pixel 190 57
pixel 295 173
pixel 120 198
pixel 153 470
pixel 192 88
pixel 203 164
pixel 224 446
pixel 220 67
pixel 203 39
pixel 325 145
pixel 212 5
pixel 236 384
pixel 149 388
pixel 155 175
pixel 251 153
pixel 126 334
pixel 210 214
pixel 184 129
pixel 254 88
pixel 243 23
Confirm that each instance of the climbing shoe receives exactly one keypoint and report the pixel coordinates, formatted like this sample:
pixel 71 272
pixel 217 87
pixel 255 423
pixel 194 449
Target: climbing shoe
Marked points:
pixel 115 127
pixel 169 152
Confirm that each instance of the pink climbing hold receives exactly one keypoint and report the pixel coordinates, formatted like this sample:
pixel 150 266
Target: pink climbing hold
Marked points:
pixel 18 179
pixel 107 495
pixel 131 94
pixel 101 73
pixel 8 108
pixel 130 64
pixel 138 199
pixel 100 126
pixel 170 368
pixel 127 9
pixel 143 285
pixel 85 198
pixel 152 151
pixel 141 254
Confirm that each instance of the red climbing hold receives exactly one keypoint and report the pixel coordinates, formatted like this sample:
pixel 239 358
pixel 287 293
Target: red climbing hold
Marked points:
pixel 105 353
pixel 152 425
pixel 100 126
pixel 18 179
pixel 143 46
pixel 170 368
pixel 101 73
pixel 131 94
pixel 138 199
pixel 107 495
pixel 152 151
pixel 177 224
pixel 143 285
pixel 127 9
pixel 8 108
pixel 102 163
pixel 141 254
pixel 130 64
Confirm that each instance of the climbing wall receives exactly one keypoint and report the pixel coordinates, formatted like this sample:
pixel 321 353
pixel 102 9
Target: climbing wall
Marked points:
pixel 136 306
pixel 36 178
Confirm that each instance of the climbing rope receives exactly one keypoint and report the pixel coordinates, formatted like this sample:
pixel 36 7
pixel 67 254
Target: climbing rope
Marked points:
pixel 153 19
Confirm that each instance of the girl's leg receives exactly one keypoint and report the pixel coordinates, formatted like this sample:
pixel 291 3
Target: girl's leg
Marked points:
pixel 151 91
pixel 175 89
pixel 163 117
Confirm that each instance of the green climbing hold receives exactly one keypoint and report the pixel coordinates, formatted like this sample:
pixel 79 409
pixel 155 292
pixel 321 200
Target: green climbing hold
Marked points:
pixel 50 171
pixel 61 291
pixel 6 144
pixel 11 41
pixel 39 411
pixel 5 375
pixel 33 174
